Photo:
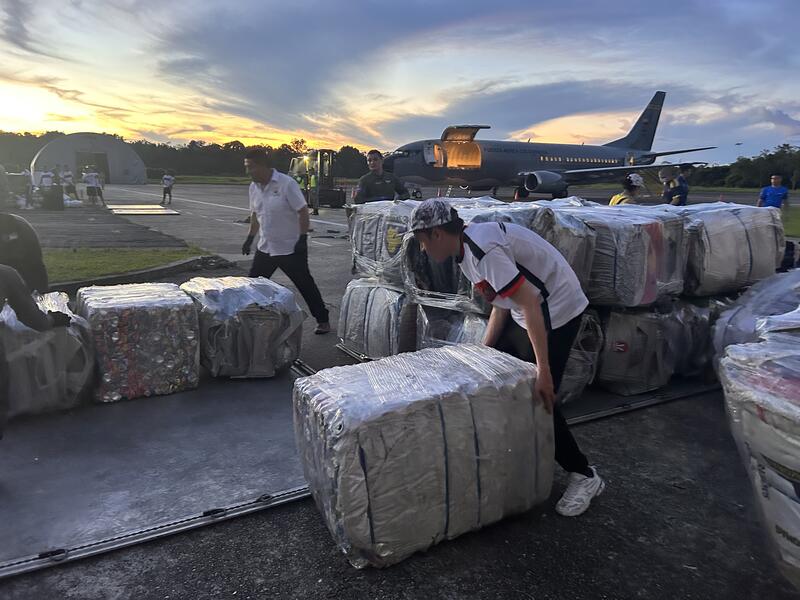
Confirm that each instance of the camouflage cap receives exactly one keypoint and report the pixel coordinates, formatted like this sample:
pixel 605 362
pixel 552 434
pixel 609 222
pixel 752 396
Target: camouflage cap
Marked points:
pixel 432 212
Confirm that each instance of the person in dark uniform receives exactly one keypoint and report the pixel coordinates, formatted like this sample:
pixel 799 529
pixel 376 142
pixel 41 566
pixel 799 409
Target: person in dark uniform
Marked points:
pixel 378 184
pixel 676 188
pixel 20 249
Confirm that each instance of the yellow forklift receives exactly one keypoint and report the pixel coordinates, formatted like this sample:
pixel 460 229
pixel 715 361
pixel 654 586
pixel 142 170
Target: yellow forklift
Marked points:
pixel 316 167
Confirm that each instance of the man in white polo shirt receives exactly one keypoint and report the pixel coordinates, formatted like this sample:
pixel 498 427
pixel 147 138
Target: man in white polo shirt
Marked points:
pixel 279 214
pixel 537 306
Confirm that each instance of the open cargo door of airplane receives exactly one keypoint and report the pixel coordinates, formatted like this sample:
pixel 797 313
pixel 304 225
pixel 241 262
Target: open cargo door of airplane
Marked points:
pixel 461 149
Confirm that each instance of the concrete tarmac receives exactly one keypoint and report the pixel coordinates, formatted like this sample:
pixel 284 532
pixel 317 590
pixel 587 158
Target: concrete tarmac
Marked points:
pixel 677 521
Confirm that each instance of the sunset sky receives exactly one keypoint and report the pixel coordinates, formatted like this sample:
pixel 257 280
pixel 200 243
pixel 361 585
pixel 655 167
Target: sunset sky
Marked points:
pixel 375 73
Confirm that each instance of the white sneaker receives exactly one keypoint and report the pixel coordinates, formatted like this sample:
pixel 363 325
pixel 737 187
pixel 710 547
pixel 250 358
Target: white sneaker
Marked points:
pixel 579 494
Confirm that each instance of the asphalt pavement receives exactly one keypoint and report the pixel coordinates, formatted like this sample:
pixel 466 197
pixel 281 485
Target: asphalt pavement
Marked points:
pixel 677 520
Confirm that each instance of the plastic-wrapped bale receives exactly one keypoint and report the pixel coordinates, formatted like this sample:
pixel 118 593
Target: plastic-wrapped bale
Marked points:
pixel 376 235
pixel 566 233
pixel 375 320
pixel 776 295
pixel 408 451
pixel 146 339
pixel 249 327
pixel 583 359
pixel 47 370
pixel 638 257
pixel 730 246
pixel 442 285
pixel 689 336
pixel 761 382
pixel 637 354
pixel 437 327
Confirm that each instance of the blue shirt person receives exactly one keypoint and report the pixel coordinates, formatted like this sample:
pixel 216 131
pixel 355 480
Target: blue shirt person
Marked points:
pixel 775 195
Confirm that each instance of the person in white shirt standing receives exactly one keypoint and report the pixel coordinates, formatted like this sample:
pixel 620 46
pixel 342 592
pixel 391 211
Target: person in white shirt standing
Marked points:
pixel 279 215
pixel 93 186
pixel 167 181
pixel 537 307
pixel 68 181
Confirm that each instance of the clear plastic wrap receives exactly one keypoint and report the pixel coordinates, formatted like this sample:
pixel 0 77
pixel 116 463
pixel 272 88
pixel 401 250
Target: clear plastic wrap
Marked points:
pixel 639 256
pixel 376 320
pixel 442 285
pixel 731 246
pixel 249 327
pixel 761 382
pixel 775 295
pixel 437 327
pixel 146 336
pixel 48 370
pixel 408 451
pixel 583 359
pixel 377 230
pixel 637 353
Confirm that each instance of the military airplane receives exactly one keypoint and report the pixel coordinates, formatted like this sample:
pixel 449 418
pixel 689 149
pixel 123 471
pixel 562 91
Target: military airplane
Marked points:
pixel 458 159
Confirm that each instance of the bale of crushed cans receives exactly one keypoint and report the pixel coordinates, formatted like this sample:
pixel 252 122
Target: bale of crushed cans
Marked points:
pixel 146 338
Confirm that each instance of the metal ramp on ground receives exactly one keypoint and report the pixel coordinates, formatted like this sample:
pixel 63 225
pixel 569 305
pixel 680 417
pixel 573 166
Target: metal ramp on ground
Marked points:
pixel 141 209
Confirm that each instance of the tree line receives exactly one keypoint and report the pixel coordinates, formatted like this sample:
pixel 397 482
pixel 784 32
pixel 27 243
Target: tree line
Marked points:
pixel 195 158
pixel 202 158
pixel 755 171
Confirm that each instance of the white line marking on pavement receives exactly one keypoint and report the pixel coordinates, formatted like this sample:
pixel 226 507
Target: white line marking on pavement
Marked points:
pixel 320 243
pixel 247 210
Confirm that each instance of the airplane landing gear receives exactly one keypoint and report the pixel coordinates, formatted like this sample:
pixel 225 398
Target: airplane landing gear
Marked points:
pixel 561 194
pixel 521 193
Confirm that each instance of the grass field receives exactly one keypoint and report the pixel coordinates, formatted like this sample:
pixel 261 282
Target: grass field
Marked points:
pixel 88 263
pixel 791 223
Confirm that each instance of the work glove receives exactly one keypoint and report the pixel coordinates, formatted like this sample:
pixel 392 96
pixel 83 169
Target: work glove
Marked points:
pixel 59 319
pixel 248 244
pixel 302 244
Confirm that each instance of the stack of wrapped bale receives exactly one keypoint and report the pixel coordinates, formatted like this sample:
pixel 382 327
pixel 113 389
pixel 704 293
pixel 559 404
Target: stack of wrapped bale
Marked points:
pixel 730 246
pixel 442 284
pixel 411 450
pixel 47 370
pixel 249 327
pixel 376 320
pixel 639 256
pixel 761 381
pixel 146 339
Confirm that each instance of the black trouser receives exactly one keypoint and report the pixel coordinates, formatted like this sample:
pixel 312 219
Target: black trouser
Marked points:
pixel 296 268
pixel 167 190
pixel 514 340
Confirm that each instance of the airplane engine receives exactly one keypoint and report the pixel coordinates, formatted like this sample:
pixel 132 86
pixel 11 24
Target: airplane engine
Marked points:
pixel 544 182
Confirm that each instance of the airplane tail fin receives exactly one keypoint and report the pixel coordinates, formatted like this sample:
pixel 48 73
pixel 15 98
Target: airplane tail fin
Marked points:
pixel 643 132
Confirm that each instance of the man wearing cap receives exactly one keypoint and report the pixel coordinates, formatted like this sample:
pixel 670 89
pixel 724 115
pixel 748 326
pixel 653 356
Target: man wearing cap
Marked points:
pixel 378 184
pixel 537 306
pixel 676 188
pixel 631 186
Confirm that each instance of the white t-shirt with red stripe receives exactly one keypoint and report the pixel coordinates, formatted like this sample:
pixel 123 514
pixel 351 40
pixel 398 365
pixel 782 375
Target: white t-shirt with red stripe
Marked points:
pixel 501 256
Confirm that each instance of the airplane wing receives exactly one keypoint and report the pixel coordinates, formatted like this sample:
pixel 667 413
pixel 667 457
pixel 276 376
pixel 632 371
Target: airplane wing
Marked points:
pixel 581 175
pixel 671 152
